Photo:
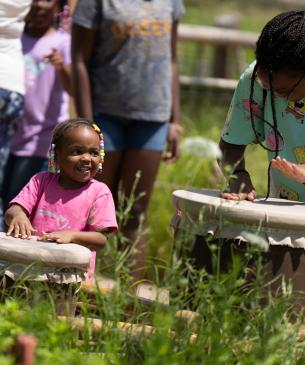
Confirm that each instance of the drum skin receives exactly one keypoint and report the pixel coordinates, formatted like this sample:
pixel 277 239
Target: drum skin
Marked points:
pixel 273 213
pixel 44 253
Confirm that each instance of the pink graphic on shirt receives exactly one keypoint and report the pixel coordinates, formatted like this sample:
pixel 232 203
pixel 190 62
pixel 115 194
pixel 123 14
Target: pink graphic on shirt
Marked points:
pixel 271 142
pixel 256 108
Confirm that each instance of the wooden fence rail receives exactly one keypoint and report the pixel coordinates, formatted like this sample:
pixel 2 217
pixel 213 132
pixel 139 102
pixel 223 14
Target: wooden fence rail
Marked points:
pixel 216 36
pixel 233 44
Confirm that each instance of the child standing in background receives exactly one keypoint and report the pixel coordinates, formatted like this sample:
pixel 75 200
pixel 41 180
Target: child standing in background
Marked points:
pixel 125 77
pixel 46 52
pixel 12 14
pixel 67 205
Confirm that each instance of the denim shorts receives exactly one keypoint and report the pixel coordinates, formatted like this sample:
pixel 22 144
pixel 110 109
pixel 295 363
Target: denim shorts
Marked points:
pixel 121 133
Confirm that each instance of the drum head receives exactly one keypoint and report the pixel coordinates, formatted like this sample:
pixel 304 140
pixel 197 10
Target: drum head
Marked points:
pixel 51 254
pixel 273 213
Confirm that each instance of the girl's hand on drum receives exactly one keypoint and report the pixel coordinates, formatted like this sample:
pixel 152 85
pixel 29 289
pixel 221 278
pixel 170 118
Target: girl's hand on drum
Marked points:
pixel 20 227
pixel 240 187
pixel 18 223
pixel 59 237
pixel 291 170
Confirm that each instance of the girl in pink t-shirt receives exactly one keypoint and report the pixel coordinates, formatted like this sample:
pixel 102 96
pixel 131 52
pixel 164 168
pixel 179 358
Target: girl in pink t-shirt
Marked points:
pixel 66 204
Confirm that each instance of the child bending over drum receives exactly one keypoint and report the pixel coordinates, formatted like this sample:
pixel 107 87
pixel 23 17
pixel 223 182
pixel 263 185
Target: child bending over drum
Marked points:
pixel 66 204
pixel 268 108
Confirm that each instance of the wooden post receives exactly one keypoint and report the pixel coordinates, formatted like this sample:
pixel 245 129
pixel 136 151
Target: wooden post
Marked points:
pixel 224 54
pixel 25 350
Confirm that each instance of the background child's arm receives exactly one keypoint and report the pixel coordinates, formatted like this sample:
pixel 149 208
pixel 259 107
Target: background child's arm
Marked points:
pixel 19 225
pixel 92 240
pixel 240 187
pixel 63 70
pixel 175 129
pixel 82 45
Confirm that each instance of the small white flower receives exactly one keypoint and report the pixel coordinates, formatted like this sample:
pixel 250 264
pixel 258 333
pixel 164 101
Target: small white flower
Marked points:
pixel 200 147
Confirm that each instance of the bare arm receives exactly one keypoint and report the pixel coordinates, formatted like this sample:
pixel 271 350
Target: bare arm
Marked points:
pixel 240 185
pixel 82 46
pixel 63 70
pixel 65 78
pixel 174 127
pixel 292 170
pixel 92 240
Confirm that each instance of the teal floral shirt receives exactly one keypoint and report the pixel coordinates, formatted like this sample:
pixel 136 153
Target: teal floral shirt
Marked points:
pixel 290 120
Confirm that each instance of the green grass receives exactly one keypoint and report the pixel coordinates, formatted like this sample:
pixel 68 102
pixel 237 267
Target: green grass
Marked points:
pixel 231 326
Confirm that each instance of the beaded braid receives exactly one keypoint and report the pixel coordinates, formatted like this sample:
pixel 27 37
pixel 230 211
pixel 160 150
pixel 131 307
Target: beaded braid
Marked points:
pixel 102 151
pixel 59 134
pixel 52 166
pixel 280 46
pixel 63 16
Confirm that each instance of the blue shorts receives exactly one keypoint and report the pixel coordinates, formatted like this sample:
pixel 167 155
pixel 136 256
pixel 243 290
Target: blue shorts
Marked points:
pixel 121 133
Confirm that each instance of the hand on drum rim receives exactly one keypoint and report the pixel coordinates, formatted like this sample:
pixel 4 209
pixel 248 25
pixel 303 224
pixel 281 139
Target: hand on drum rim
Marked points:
pixel 21 231
pixel 239 196
pixel 240 187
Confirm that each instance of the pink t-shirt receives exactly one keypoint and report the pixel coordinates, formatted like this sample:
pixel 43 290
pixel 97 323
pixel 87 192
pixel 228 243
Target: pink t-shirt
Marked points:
pixel 52 208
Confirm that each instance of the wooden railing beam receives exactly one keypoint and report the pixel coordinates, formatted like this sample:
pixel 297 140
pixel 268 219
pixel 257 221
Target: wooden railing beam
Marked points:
pixel 216 36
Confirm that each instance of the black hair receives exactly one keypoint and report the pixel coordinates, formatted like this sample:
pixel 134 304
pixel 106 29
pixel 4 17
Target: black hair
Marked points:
pixel 281 43
pixel 280 46
pixel 62 3
pixel 61 129
pixel 61 6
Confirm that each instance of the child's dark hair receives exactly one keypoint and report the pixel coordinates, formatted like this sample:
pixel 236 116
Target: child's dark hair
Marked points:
pixel 280 46
pixel 59 134
pixel 281 43
pixel 61 129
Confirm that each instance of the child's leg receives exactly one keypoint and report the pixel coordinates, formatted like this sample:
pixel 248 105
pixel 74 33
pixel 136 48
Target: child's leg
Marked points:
pixel 147 162
pixel 65 297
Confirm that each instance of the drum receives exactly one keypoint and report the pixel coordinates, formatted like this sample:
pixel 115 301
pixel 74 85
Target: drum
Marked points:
pixel 43 260
pixel 278 225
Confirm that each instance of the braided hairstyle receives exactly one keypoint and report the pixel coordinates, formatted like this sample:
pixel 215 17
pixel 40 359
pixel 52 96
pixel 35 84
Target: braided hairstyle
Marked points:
pixel 63 17
pixel 280 46
pixel 60 15
pixel 60 132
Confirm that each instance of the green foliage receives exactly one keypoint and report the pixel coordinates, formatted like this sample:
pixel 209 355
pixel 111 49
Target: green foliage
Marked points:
pixel 232 326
